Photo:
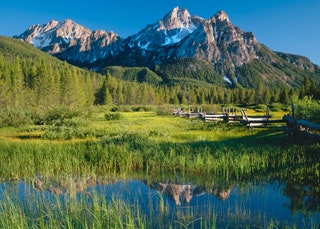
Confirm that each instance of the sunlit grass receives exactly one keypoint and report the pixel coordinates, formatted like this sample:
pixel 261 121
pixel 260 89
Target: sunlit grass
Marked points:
pixel 141 142
pixel 90 209
pixel 147 144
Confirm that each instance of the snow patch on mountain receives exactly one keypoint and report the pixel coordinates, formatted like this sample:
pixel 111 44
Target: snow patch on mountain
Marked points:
pixel 171 29
pixel 177 35
pixel 41 41
pixel 226 79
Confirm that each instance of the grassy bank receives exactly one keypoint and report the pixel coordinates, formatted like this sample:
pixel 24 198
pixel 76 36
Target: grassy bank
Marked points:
pixel 146 143
pixel 73 153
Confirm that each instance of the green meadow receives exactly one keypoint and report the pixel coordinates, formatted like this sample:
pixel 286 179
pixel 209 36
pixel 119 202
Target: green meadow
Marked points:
pixel 145 142
pixel 121 143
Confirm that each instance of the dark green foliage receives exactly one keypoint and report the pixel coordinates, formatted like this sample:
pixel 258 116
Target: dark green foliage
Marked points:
pixel 190 72
pixel 33 81
pixel 68 129
pixel 276 69
pixel 306 108
pixel 33 78
pixel 54 115
pixel 142 108
pixel 112 116
pixel 14 117
pixel 139 74
pixel 276 107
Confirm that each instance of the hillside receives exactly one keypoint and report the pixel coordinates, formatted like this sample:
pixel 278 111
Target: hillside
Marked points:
pixel 33 84
pixel 180 49
pixel 31 78
pixel 133 74
pixel 276 68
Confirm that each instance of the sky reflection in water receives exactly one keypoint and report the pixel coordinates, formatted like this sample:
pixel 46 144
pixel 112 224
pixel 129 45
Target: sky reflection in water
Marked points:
pixel 255 202
pixel 250 204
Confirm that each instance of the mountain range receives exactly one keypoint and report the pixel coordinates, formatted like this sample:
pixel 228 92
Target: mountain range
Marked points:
pixel 178 48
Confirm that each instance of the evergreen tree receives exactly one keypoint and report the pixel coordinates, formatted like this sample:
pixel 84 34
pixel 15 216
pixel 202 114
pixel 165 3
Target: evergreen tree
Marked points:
pixel 200 97
pixel 275 98
pixel 100 97
pixel 242 95
pixel 284 95
pixel 250 96
pixel 119 94
pixel 16 83
pixel 267 96
pixel 88 89
pixel 259 97
pixel 4 94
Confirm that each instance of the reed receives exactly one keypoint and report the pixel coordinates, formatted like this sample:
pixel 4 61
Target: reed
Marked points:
pixel 36 209
pixel 89 211
pixel 124 144
pixel 125 156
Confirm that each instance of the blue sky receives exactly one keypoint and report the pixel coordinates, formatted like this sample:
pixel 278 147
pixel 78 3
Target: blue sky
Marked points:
pixel 291 26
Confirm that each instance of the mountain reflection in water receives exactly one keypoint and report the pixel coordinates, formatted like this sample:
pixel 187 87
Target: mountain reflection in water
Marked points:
pixel 248 202
pixel 183 193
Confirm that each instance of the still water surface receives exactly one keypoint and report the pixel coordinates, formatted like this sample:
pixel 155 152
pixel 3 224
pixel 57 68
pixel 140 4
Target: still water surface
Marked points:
pixel 254 203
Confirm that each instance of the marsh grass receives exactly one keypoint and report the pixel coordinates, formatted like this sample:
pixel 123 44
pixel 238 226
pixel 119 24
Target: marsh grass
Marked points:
pixel 91 210
pixel 25 207
pixel 150 145
pixel 145 143
pixel 42 210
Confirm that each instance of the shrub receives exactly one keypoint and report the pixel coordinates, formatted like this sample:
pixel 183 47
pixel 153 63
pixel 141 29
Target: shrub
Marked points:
pixel 14 117
pixel 54 115
pixel 142 108
pixel 68 129
pixel 260 108
pixel 112 116
pixel 163 112
pixel 122 109
pixel 276 107
pixel 306 108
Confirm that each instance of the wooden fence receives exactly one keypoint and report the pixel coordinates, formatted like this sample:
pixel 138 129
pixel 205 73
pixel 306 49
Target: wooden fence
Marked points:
pixel 303 128
pixel 295 127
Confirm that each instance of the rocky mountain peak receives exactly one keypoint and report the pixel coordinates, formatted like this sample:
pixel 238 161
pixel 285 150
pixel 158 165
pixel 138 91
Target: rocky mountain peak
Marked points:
pixel 72 41
pixel 221 16
pixel 177 36
pixel 51 24
pixel 176 18
pixel 54 33
pixel 70 30
pixel 171 29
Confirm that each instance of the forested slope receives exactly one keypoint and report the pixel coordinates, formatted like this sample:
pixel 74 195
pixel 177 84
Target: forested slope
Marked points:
pixel 32 79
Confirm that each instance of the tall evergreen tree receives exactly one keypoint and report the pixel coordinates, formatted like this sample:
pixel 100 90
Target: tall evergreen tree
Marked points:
pixel 17 80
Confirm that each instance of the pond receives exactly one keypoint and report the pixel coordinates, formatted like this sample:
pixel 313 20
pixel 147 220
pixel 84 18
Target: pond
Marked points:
pixel 185 204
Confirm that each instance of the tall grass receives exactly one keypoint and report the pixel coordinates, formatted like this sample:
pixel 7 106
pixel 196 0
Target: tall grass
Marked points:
pixel 141 143
pixel 145 143
pixel 306 108
pixel 25 207
pixel 47 211
pixel 134 153
pixel 91 210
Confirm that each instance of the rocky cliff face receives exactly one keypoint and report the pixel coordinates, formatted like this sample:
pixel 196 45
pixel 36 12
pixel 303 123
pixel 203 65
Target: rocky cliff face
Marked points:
pixel 216 40
pixel 174 27
pixel 220 43
pixel 71 41
pixel 177 36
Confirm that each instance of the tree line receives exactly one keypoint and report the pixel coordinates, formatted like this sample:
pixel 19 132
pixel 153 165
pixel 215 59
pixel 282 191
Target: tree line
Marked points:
pixel 25 83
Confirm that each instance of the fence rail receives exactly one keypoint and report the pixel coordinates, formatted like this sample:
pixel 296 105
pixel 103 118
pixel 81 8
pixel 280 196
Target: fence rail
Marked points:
pixel 295 127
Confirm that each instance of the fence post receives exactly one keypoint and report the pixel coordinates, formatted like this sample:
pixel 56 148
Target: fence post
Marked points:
pixel 293 110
